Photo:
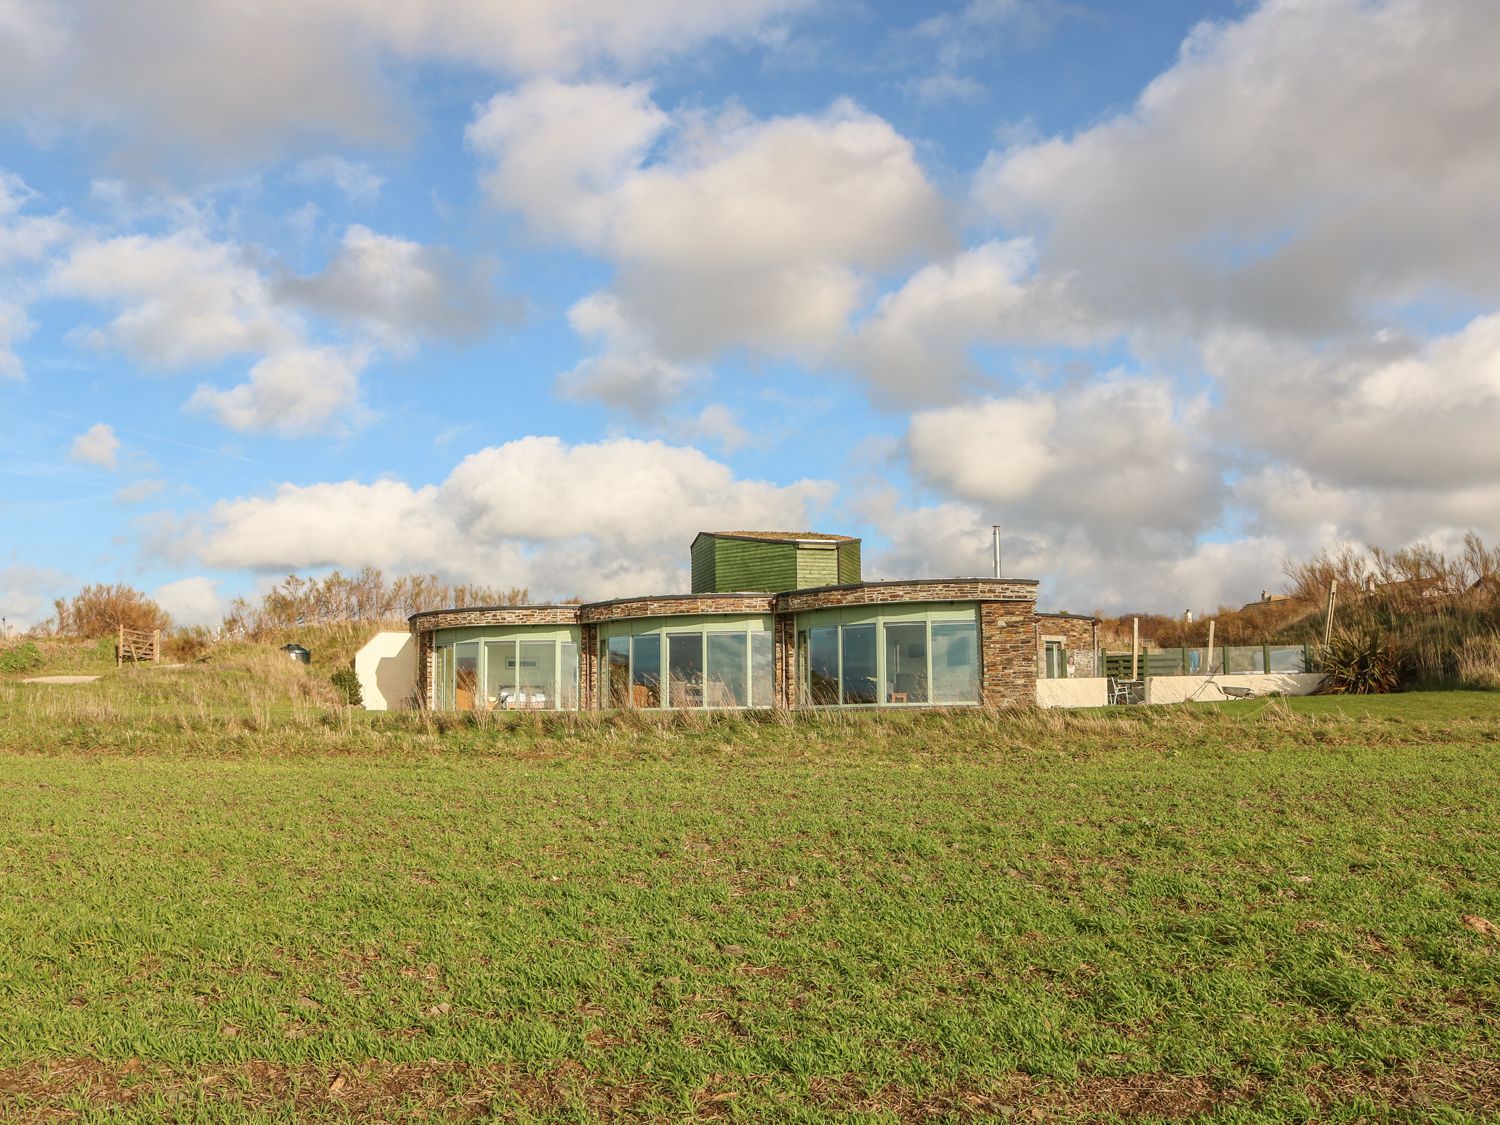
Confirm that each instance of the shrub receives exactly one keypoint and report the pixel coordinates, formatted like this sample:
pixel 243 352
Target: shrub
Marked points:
pixel 1363 663
pixel 346 683
pixel 1479 662
pixel 20 658
pixel 189 643
pixel 97 611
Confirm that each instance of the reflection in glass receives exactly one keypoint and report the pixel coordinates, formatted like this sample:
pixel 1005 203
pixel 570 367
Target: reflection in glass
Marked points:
pixel 859 664
pixel 906 663
pixel 645 670
pixel 617 656
pixel 685 670
pixel 465 675
pixel 762 678
pixel 823 665
pixel 536 673
pixel 567 677
pixel 726 670
pixel 955 662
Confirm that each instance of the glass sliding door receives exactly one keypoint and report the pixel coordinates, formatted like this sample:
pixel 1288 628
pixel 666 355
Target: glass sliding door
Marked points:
pixel 536 675
pixel 465 675
pixel 567 676
pixel 617 678
pixel 684 670
pixel 726 685
pixel 762 670
pixel 955 662
pixel 823 666
pixel 906 663
pixel 858 672
pixel 499 672
pixel 645 670
pixel 442 695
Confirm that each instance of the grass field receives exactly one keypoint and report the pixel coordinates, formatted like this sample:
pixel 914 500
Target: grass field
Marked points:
pixel 220 909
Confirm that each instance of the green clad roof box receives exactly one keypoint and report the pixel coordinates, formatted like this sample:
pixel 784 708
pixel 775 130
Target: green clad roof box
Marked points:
pixel 773 561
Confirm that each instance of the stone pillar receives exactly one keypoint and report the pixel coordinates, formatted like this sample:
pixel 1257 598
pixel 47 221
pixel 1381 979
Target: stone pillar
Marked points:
pixel 1007 654
pixel 784 636
pixel 588 668
pixel 424 669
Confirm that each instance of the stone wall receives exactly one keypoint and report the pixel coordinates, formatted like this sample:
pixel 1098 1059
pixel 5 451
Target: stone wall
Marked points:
pixel 494 615
pixel 588 668
pixel 921 590
pixel 1007 654
pixel 672 605
pixel 1080 636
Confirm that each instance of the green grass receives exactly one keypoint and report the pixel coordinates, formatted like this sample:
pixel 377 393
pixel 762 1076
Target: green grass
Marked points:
pixel 246 912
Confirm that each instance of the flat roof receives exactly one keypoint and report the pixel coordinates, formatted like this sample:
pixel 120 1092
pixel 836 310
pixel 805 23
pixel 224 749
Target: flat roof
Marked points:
pixel 779 536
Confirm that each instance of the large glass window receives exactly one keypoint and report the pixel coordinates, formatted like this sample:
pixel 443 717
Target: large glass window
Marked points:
pixel 567 676
pixel 955 662
pixel 645 670
pixel 906 663
pixel 762 671
pixel 726 685
pixel 823 665
pixel 684 669
pixel 617 656
pixel 536 674
pixel 889 657
pixel 859 674
pixel 442 696
pixel 465 675
pixel 499 673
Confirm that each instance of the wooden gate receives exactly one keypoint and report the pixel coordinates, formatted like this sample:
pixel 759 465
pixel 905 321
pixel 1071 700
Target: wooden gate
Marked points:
pixel 137 645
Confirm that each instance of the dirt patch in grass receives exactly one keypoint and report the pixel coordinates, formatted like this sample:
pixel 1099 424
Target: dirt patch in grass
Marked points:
pixel 62 1088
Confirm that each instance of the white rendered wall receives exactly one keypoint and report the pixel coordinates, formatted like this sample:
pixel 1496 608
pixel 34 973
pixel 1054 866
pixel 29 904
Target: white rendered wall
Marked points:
pixel 387 671
pixel 1204 689
pixel 1089 691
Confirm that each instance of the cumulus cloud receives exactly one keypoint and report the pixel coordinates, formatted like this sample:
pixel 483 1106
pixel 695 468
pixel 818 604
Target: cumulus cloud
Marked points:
pixel 739 233
pixel 1293 171
pixel 137 491
pixel 184 299
pixel 1123 457
pixel 191 601
pixel 15 326
pixel 26 594
pixel 26 238
pixel 1394 413
pixel 234 79
pixel 929 326
pixel 401 291
pixel 358 182
pixel 294 392
pixel 600 519
pixel 97 445
pixel 626 374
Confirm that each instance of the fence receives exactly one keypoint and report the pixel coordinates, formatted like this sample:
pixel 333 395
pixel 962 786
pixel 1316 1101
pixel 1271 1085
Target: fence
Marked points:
pixel 1226 660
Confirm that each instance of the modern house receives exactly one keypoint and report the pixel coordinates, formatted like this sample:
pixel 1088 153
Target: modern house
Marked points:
pixel 774 619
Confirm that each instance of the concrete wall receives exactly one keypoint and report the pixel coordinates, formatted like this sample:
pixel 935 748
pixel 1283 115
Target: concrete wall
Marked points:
pixel 1091 691
pixel 387 671
pixel 1203 689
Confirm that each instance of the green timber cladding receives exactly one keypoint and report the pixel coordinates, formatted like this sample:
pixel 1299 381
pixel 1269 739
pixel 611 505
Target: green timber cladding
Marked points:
pixel 772 561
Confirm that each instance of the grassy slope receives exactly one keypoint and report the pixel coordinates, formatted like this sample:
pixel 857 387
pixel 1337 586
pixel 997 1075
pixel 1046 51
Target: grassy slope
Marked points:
pixel 1253 909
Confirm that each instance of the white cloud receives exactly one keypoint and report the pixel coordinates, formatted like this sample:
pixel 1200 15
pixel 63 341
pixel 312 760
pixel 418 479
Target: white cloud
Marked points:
pixel 191 601
pixel 137 491
pixel 760 235
pixel 559 151
pixel 358 182
pixel 401 291
pixel 184 300
pixel 97 445
pixel 15 326
pixel 626 374
pixel 234 79
pixel 26 594
pixel 295 392
pixel 721 425
pixel 1123 459
pixel 1392 414
pixel 916 344
pixel 26 238
pixel 602 519
pixel 1293 171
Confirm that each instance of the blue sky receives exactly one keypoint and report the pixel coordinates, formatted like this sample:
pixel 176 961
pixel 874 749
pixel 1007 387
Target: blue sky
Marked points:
pixel 527 294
